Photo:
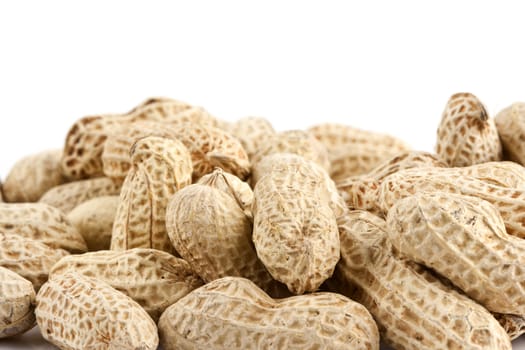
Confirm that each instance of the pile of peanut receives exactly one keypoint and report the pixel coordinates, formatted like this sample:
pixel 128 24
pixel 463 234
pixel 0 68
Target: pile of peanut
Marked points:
pixel 166 225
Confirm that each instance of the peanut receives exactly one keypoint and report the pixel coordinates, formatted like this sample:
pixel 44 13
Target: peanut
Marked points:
pixel 94 220
pixel 466 135
pixel 152 278
pixel 17 303
pixel 28 258
pixel 412 308
pixel 43 223
pixel 510 123
pixel 160 167
pixel 78 312
pixel 253 133
pixel 233 313
pixel 32 176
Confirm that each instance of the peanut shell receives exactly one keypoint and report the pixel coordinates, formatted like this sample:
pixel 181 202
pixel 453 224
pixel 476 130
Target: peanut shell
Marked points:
pixel 510 123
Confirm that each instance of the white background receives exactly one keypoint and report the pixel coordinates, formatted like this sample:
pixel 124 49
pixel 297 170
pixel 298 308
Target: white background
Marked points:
pixel 388 66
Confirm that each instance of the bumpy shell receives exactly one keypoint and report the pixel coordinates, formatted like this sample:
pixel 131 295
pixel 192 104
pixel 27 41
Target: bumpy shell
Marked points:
pixel 17 303
pixel 209 229
pixel 295 230
pixel 233 313
pixel 94 219
pixel 413 309
pixel 296 142
pixel 43 223
pixel 152 278
pixel 78 312
pixel 462 238
pixel 253 132
pixel 466 135
pixel 160 168
pixel 67 196
pixel 514 325
pixel 510 123
pixel 359 190
pixel 85 140
pixel 32 176
pixel 355 151
pixel 28 258
pixel 1 192
pixel 509 201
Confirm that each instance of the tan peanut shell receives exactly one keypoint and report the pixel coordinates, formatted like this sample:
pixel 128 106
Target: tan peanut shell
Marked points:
pixel 160 168
pixel 233 313
pixel 77 312
pixel 94 219
pixel 413 309
pixel 17 304
pixel 43 223
pixel 462 238
pixel 509 201
pixel 295 230
pixel 354 151
pixel 210 230
pixel 153 278
pixel 466 134
pixel 1 192
pixel 85 140
pixel 510 123
pixel 32 176
pixel 28 258
pixel 253 132
pixel 514 325
pixel 296 142
pixel 67 196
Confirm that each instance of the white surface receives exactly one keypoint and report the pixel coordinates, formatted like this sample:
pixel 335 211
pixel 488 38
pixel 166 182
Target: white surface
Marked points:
pixel 388 66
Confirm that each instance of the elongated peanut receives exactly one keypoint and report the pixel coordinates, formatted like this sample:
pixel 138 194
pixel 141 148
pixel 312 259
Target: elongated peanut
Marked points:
pixel 462 238
pixel 233 313
pixel 295 230
pixel 28 258
pixel 355 151
pixel 153 278
pixel 32 176
pixel 509 201
pixel 466 134
pixel 160 167
pixel 78 312
pixel 43 223
pixel 253 132
pixel 413 309
pixel 17 304
pixel 94 220
pixel 67 196
pixel 510 123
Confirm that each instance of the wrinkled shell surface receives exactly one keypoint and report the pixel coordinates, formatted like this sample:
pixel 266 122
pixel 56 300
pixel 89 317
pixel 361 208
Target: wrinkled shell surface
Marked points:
pixel 29 258
pixel 152 278
pixel 43 223
pixel 413 309
pixel 160 168
pixel 253 132
pixel 466 135
pixel 17 303
pixel 514 325
pixel 295 231
pixel 94 219
pixel 233 313
pixel 462 238
pixel 67 196
pixel 78 312
pixel 32 176
pixel 510 123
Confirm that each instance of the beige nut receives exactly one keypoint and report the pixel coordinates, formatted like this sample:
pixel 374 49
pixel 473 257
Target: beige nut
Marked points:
pixel 78 312
pixel 253 132
pixel 94 220
pixel 413 309
pixel 160 168
pixel 28 258
pixel 43 223
pixel 510 123
pixel 17 304
pixel 152 278
pixel 466 134
pixel 233 313
pixel 32 176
